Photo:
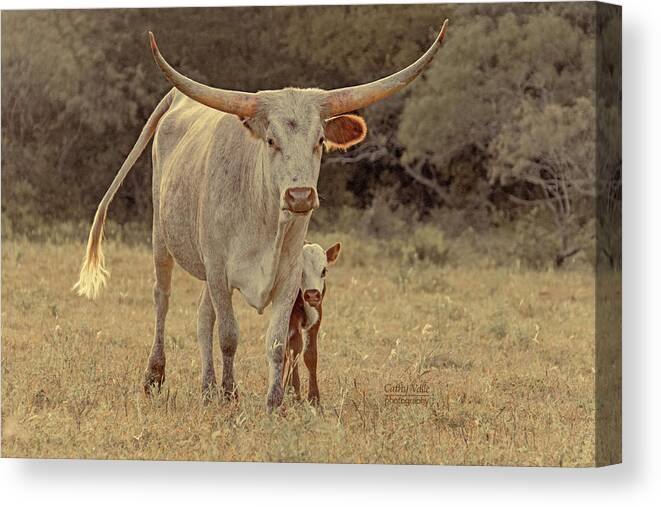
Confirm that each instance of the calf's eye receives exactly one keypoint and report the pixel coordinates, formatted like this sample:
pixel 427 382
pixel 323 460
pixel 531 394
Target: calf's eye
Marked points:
pixel 321 140
pixel 270 142
pixel 323 273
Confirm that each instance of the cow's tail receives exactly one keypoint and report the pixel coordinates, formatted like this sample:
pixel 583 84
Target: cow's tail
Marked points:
pixel 93 274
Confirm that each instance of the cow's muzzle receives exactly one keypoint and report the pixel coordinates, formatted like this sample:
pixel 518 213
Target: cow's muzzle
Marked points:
pixel 312 297
pixel 301 199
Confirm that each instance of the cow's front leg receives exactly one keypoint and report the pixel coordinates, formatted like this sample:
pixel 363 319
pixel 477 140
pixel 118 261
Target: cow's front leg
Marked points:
pixel 228 332
pixel 276 342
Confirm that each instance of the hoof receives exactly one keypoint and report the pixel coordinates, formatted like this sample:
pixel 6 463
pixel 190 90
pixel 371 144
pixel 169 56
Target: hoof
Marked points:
pixel 313 399
pixel 274 398
pixel 293 394
pixel 208 394
pixel 313 395
pixel 231 393
pixel 154 376
pixel 152 382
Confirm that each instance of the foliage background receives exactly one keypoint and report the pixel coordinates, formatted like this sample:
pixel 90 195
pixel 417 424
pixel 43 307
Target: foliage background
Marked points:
pixel 492 148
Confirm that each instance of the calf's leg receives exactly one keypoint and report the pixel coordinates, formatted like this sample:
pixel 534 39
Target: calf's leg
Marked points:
pixel 310 358
pixel 294 348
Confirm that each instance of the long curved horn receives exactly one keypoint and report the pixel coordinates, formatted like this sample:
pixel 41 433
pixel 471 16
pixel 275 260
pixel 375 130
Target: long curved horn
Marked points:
pixel 351 98
pixel 229 101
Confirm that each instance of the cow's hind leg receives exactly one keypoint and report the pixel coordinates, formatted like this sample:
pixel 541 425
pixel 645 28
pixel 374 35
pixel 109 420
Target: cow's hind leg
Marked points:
pixel 206 319
pixel 228 331
pixel 163 264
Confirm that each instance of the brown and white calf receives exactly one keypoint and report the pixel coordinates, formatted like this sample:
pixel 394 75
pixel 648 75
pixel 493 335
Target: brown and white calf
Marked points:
pixel 305 318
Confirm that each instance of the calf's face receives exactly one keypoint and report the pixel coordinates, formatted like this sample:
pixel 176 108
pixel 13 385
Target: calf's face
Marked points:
pixel 316 262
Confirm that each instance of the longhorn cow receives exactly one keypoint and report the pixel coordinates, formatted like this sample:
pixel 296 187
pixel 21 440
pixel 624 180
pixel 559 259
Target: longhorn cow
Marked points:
pixel 234 186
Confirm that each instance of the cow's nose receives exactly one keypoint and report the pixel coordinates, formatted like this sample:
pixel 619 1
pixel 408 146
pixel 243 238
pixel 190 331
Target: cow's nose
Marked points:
pixel 312 297
pixel 300 199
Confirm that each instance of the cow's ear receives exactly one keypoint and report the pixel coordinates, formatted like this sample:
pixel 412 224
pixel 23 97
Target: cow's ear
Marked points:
pixel 342 132
pixel 333 253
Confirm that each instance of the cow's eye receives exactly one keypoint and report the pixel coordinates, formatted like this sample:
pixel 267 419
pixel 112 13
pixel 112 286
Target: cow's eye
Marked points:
pixel 323 273
pixel 321 140
pixel 270 142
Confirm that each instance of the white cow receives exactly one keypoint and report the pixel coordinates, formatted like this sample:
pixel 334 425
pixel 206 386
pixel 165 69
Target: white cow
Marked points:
pixel 234 185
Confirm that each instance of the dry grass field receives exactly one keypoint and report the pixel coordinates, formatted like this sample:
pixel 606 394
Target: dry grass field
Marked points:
pixel 507 356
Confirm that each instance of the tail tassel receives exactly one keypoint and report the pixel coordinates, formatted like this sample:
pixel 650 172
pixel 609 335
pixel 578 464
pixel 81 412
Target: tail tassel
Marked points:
pixel 93 277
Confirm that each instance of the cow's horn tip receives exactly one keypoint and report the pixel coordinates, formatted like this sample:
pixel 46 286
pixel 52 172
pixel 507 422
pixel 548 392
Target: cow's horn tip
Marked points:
pixel 444 28
pixel 152 40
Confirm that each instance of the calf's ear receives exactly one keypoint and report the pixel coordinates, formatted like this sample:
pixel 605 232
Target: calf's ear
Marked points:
pixel 342 132
pixel 333 253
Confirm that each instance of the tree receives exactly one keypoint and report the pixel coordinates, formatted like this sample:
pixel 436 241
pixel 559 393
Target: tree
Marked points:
pixel 63 117
pixel 496 59
pixel 552 149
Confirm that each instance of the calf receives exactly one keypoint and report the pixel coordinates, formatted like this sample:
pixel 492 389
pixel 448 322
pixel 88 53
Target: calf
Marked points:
pixel 305 318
